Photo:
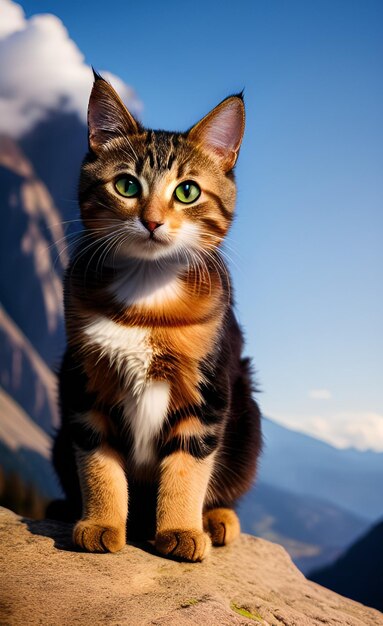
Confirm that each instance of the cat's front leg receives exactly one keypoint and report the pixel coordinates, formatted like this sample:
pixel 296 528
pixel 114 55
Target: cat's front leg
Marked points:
pixel 104 491
pixel 183 482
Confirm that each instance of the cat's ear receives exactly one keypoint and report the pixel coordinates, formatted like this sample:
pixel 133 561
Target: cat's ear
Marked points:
pixel 221 130
pixel 108 117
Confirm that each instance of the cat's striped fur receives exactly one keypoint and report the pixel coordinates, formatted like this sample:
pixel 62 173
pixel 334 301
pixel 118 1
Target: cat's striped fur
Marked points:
pixel 159 427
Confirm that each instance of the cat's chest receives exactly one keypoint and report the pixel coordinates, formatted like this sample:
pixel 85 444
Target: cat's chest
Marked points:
pixel 128 349
pixel 148 286
pixel 130 353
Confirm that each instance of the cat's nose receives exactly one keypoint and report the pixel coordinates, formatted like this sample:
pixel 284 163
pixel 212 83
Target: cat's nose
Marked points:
pixel 151 226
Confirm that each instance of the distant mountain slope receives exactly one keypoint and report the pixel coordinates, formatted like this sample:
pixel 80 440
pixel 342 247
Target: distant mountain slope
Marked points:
pixel 17 430
pixel 358 574
pixel 313 531
pixel 32 253
pixel 303 465
pixel 25 448
pixel 56 146
pixel 25 376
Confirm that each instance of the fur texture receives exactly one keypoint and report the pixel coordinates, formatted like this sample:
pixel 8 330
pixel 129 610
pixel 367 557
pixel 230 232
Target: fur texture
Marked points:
pixel 159 426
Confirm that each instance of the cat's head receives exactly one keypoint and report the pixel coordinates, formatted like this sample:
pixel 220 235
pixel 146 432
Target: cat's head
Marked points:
pixel 155 194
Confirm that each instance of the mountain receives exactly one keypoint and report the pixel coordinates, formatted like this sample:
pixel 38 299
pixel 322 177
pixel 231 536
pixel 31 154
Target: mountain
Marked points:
pixel 32 253
pixel 25 376
pixel 25 448
pixel 358 574
pixel 313 531
pixel 349 479
pixel 32 258
pixel 56 146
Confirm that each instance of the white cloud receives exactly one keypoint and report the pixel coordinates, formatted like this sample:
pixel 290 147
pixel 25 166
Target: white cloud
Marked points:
pixel 320 394
pixel 42 68
pixel 361 430
pixel 11 18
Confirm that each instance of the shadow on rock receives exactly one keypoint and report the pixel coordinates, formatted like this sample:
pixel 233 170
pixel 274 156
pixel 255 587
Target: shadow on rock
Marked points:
pixel 60 532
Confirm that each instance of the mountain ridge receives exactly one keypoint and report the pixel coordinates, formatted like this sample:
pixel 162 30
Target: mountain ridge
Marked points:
pixel 358 573
pixel 307 466
pixel 313 530
pixel 25 376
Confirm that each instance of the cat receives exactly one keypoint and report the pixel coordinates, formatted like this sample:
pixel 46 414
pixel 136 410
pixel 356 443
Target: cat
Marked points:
pixel 160 433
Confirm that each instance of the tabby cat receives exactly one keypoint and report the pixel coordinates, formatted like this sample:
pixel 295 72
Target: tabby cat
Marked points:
pixel 160 434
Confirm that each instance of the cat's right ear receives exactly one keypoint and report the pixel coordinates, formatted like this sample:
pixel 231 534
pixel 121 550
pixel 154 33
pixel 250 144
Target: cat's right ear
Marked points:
pixel 220 131
pixel 108 117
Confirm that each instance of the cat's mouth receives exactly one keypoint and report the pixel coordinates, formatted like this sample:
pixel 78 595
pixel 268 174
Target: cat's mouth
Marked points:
pixel 154 238
pixel 150 246
pixel 159 243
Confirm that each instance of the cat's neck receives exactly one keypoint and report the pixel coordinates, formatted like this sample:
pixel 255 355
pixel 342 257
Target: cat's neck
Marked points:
pixel 141 281
pixel 150 293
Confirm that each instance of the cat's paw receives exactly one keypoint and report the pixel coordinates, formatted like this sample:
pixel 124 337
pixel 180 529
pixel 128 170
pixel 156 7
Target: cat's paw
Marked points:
pixel 95 537
pixel 222 525
pixel 187 545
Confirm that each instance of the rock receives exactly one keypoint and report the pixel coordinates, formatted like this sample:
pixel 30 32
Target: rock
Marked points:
pixel 43 580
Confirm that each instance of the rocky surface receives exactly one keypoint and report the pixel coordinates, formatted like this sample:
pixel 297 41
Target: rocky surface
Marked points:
pixel 43 580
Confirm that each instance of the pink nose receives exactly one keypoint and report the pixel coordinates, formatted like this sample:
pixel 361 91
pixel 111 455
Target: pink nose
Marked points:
pixel 151 226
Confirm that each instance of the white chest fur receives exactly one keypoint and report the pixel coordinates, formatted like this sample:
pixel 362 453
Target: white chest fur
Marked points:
pixel 148 284
pixel 146 402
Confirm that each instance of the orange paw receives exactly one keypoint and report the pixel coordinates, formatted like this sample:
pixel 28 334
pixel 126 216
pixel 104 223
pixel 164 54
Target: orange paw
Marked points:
pixel 95 537
pixel 187 545
pixel 222 525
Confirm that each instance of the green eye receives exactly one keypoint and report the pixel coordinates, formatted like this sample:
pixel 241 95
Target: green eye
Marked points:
pixel 128 186
pixel 187 192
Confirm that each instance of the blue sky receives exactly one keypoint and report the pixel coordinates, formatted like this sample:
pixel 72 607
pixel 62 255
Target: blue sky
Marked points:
pixel 307 243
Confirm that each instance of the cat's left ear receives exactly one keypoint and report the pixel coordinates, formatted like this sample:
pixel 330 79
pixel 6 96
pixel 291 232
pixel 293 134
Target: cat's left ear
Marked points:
pixel 221 130
pixel 108 116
